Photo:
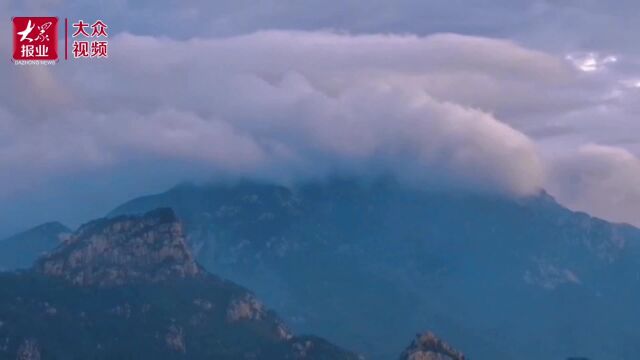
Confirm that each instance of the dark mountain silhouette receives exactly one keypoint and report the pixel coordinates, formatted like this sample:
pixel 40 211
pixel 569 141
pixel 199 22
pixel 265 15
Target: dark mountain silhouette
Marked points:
pixel 367 263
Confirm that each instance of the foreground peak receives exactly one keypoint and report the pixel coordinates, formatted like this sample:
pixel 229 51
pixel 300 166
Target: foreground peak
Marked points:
pixel 122 250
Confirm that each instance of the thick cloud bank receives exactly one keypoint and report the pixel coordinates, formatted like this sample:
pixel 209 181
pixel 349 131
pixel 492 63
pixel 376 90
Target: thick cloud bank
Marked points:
pixel 206 96
pixel 286 105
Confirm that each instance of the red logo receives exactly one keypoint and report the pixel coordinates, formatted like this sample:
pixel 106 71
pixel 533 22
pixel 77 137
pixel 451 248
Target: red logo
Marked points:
pixel 35 38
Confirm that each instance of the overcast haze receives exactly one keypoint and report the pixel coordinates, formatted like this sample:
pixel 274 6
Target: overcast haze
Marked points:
pixel 495 96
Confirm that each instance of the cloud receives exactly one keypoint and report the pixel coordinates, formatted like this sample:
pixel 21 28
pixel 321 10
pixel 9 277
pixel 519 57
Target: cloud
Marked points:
pixel 208 92
pixel 205 94
pixel 602 180
pixel 591 62
pixel 445 109
pixel 583 25
pixel 288 105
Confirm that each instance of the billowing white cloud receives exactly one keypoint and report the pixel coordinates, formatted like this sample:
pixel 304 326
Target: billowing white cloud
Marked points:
pixel 602 180
pixel 448 109
pixel 286 105
pixel 205 94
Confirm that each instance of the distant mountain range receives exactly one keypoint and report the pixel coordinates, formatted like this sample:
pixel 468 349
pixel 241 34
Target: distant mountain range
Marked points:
pixel 367 264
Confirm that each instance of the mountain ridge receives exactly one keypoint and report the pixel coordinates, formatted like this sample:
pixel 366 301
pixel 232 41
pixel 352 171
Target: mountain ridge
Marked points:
pixel 416 257
pixel 19 251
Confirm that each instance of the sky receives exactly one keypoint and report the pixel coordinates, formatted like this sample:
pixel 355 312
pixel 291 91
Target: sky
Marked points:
pixel 502 96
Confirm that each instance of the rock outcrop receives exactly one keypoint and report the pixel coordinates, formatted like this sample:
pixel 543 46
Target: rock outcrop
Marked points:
pixel 428 347
pixel 123 250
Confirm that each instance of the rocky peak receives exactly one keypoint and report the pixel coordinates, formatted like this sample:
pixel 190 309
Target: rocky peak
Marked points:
pixel 428 347
pixel 123 250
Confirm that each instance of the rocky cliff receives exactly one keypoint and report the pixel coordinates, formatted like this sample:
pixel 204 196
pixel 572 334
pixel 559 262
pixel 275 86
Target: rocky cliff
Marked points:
pixel 123 250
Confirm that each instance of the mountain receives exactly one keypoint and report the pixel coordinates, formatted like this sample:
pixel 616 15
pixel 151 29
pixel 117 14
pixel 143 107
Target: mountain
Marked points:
pixel 128 288
pixel 428 347
pixel 21 250
pixel 367 263
pixel 108 252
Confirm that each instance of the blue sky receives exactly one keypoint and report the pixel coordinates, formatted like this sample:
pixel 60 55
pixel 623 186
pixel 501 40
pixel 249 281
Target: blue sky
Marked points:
pixel 498 96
